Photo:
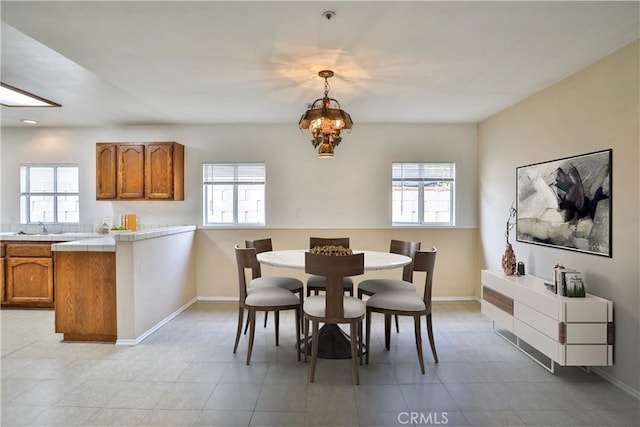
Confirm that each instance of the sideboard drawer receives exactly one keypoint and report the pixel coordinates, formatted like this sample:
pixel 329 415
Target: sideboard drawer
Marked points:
pixel 586 333
pixel 497 283
pixel 587 355
pixel 582 310
pixel 496 314
pixel 544 344
pixel 536 320
pixel 545 304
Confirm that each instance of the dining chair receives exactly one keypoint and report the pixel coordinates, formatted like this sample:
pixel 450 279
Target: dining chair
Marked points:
pixel 317 283
pixel 407 303
pixel 372 286
pixel 334 307
pixel 261 298
pixel 289 283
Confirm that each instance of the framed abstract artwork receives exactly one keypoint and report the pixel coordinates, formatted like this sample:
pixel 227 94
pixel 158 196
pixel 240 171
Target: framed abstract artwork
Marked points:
pixel 566 203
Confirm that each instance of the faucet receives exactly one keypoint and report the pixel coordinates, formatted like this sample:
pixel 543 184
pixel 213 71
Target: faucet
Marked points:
pixel 43 228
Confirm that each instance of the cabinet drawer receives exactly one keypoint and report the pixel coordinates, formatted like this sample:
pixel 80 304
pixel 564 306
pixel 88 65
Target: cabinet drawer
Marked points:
pixel 585 310
pixel 536 320
pixel 29 250
pixel 536 339
pixel 587 355
pixel 548 305
pixel 586 333
pixel 497 315
pixel 497 283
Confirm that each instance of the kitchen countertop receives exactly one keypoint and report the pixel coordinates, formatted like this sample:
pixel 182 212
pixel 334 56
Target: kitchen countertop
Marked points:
pixel 94 242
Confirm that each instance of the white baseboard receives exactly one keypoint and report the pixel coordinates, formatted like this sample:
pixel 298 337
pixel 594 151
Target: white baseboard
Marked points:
pixel 616 382
pixel 218 299
pixel 455 299
pixel 434 299
pixel 157 326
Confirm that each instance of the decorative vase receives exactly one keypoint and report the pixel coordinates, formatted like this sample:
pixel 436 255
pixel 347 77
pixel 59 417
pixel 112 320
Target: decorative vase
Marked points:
pixel 509 261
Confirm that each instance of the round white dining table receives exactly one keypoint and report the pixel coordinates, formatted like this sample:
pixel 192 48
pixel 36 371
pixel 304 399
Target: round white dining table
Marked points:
pixel 333 341
pixel 294 258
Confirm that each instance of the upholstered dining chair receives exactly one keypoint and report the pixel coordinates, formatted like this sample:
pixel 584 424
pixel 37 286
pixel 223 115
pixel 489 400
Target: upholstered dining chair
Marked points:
pixel 372 286
pixel 407 303
pixel 289 283
pixel 334 307
pixel 261 298
pixel 316 283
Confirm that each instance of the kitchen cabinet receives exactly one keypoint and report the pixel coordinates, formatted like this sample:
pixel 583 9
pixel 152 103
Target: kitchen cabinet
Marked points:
pixel 130 171
pixel 140 171
pixel 164 171
pixel 2 249
pixel 29 275
pixel 85 307
pixel 106 171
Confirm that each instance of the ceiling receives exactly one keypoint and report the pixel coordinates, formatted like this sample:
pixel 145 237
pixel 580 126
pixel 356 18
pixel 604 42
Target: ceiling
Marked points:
pixel 209 62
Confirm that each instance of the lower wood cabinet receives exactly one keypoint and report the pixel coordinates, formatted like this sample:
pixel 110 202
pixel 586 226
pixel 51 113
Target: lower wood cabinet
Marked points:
pixel 2 287
pixel 28 279
pixel 85 308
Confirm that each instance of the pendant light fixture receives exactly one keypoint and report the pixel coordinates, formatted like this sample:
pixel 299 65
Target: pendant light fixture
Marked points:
pixel 325 120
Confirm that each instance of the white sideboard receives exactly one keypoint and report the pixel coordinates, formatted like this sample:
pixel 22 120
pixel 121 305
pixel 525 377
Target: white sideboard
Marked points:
pixel 569 331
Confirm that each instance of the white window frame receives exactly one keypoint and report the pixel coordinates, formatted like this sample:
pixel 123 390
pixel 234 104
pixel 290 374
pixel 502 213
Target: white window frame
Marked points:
pixel 423 179
pixel 235 182
pixel 26 215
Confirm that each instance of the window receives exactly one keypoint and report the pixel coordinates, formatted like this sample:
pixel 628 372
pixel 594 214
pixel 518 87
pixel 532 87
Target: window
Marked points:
pixel 49 193
pixel 423 193
pixel 234 193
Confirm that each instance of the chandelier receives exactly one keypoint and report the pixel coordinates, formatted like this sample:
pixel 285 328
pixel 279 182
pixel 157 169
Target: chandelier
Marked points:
pixel 325 119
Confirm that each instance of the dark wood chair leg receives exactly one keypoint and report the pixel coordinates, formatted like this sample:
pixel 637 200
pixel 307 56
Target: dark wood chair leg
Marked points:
pixel 360 340
pixel 397 324
pixel 298 331
pixel 246 327
pixel 306 338
pixel 252 333
pixel 314 351
pixel 239 331
pixel 387 331
pixel 276 315
pixel 416 322
pixel 266 316
pixel 431 340
pixel 353 327
pixel 368 339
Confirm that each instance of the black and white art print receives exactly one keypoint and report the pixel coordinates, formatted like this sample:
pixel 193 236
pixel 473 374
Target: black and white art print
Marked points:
pixel 566 203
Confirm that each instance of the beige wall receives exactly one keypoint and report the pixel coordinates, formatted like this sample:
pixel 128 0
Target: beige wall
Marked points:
pixel 595 109
pixel 456 273
pixel 353 190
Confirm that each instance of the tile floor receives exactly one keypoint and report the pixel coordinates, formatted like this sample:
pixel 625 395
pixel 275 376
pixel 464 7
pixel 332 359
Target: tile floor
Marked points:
pixel 186 375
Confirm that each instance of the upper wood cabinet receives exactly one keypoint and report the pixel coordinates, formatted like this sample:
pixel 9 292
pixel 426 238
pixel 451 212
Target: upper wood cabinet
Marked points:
pixel 106 168
pixel 140 171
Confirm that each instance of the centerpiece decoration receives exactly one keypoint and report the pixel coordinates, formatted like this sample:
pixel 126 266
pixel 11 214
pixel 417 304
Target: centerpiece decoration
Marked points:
pixel 331 250
pixel 509 257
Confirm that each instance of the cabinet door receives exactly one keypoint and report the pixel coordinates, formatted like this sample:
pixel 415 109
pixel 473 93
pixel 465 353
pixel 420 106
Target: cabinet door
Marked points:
pixel 2 279
pixel 29 280
pixel 106 172
pixel 130 171
pixel 158 171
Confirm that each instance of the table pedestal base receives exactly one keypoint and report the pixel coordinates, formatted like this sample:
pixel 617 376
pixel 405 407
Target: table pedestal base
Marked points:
pixel 333 343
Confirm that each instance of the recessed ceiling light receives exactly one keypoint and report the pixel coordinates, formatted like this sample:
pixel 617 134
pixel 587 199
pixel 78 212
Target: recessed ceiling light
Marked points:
pixel 29 121
pixel 13 97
